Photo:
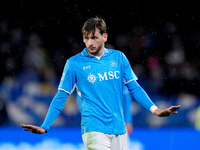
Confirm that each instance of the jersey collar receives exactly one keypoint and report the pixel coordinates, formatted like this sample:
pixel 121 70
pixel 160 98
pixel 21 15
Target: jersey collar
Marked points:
pixel 85 53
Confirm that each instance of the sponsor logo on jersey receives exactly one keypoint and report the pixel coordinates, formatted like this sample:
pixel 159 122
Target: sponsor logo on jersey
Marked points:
pixel 86 67
pixel 110 75
pixel 91 78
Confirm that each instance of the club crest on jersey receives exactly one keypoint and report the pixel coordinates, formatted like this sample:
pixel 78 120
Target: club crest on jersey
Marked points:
pixel 113 63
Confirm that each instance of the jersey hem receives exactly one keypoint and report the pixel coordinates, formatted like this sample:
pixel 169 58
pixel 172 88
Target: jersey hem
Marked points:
pixel 106 132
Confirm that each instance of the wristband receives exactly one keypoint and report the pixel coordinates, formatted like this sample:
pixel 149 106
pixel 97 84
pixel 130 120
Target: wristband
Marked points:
pixel 153 108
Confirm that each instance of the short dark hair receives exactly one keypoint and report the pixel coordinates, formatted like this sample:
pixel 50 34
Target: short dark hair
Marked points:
pixel 92 24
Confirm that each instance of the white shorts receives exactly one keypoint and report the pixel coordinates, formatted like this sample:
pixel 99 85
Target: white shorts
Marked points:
pixel 102 141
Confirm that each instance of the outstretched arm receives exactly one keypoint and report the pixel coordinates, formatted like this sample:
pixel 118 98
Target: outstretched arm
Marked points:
pixel 55 108
pixel 141 96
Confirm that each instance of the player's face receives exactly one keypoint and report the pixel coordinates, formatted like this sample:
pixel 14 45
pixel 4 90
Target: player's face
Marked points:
pixel 95 43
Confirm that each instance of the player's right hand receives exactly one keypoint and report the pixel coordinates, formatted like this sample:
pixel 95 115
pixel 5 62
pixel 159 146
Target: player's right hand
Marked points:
pixel 33 129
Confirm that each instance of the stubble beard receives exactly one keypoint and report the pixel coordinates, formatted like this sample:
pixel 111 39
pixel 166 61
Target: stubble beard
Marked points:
pixel 95 51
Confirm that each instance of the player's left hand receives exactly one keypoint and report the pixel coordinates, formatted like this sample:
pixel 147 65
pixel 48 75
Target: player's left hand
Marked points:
pixel 167 112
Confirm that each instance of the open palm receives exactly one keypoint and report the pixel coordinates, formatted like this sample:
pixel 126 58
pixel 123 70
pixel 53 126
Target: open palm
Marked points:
pixel 33 129
pixel 167 112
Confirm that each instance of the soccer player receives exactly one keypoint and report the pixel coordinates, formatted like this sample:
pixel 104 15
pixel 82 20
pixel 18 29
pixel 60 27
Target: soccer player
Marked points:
pixel 98 74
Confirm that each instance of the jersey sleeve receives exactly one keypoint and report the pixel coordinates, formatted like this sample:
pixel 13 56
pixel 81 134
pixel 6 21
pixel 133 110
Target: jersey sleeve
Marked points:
pixel 135 89
pixel 128 73
pixel 139 94
pixel 68 79
pixel 55 108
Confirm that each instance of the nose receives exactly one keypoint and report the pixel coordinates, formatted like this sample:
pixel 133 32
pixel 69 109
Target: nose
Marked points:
pixel 90 41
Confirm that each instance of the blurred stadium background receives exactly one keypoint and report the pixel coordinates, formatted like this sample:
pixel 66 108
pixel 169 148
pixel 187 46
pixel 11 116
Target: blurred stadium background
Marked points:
pixel 160 39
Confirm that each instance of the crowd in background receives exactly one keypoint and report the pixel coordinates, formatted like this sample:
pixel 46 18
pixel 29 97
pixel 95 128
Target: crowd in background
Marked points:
pixel 165 61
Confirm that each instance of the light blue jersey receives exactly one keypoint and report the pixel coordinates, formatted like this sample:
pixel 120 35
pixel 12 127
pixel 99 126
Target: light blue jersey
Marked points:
pixel 99 83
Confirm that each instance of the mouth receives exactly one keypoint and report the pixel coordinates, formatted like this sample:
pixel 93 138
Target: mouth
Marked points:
pixel 92 48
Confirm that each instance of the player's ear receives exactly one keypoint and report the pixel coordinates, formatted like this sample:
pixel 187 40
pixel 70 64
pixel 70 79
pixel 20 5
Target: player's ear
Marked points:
pixel 105 37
